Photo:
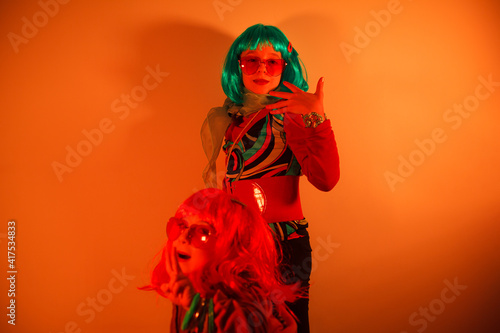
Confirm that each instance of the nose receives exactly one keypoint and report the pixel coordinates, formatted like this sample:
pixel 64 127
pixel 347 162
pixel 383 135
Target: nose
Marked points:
pixel 262 63
pixel 183 237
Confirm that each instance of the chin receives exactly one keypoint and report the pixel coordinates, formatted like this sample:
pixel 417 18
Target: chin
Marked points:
pixel 261 90
pixel 189 269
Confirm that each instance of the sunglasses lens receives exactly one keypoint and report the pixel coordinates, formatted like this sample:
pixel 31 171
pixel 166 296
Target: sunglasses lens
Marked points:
pixel 200 235
pixel 250 65
pixel 173 228
pixel 274 66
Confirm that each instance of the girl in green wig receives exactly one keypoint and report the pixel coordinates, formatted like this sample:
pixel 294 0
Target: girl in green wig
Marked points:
pixel 272 131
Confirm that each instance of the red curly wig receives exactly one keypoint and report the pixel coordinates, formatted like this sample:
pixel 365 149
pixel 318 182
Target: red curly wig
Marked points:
pixel 245 264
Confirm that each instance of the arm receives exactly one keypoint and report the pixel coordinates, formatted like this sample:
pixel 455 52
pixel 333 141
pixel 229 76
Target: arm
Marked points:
pixel 315 150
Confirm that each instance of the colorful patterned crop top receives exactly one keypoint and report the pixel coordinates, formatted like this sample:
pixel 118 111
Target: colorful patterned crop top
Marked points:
pixel 262 151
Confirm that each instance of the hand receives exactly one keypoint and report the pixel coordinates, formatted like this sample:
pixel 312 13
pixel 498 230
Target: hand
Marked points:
pixel 179 289
pixel 298 101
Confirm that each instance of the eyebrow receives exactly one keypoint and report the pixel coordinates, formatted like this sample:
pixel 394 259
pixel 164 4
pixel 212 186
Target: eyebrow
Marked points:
pixel 251 52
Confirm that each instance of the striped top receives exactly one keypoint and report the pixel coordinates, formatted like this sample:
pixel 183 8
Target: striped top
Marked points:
pixel 266 151
pixel 263 150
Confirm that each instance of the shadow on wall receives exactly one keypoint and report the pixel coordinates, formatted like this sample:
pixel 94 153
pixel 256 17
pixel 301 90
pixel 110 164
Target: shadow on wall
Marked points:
pixel 164 141
pixel 172 78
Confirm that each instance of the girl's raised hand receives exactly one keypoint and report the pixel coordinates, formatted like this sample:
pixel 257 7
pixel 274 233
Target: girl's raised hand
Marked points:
pixel 298 101
pixel 179 289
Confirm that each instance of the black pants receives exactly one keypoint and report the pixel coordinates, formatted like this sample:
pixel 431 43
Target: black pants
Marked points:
pixel 296 267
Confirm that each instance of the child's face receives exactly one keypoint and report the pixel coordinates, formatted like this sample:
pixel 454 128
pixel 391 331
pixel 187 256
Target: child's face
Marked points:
pixel 195 244
pixel 261 82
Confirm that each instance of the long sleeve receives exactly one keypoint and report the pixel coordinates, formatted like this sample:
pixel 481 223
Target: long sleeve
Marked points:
pixel 315 150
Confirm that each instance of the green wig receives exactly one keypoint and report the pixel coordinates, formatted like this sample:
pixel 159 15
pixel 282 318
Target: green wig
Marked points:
pixel 254 37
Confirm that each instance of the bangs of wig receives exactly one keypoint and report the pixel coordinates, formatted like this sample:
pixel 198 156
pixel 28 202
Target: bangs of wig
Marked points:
pixel 259 36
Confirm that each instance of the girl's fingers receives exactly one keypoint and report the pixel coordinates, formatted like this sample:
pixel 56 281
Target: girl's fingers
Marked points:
pixel 174 262
pixel 168 264
pixel 281 94
pixel 291 86
pixel 180 291
pixel 319 87
pixel 180 286
pixel 277 105
pixel 176 287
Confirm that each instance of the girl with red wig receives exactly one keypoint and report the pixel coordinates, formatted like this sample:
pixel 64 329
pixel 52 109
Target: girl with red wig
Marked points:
pixel 219 268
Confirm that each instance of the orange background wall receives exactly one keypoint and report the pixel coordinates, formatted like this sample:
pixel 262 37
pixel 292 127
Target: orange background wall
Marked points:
pixel 384 250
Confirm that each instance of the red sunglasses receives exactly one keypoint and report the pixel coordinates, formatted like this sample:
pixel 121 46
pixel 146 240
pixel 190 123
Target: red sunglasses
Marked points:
pixel 198 235
pixel 274 67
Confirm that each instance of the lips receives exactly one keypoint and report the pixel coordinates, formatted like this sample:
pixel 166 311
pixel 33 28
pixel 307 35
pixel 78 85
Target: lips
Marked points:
pixel 261 82
pixel 183 256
